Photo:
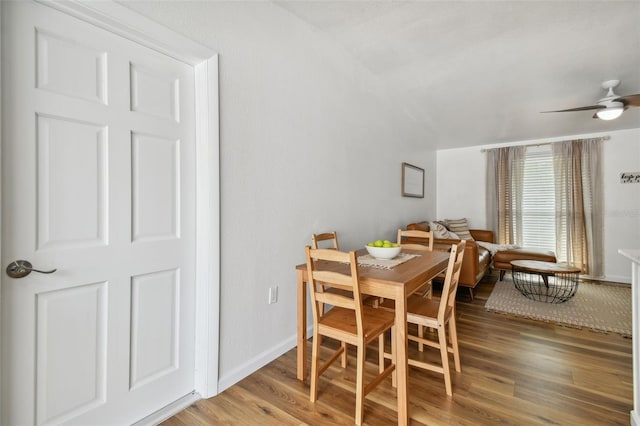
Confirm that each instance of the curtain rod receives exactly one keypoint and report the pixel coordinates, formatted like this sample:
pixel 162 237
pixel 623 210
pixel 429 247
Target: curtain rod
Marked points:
pixel 604 138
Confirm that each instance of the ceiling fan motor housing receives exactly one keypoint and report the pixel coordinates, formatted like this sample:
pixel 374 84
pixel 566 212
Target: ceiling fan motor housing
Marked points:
pixel 609 103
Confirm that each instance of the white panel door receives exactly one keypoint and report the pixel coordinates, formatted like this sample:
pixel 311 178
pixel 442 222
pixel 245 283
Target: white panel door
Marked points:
pixel 98 154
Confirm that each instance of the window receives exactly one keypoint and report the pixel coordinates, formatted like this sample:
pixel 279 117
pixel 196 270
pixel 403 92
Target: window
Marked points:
pixel 538 199
pixel 549 197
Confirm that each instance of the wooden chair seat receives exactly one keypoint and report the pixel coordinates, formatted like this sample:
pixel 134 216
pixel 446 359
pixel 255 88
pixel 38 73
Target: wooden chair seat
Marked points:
pixel 342 323
pixel 425 312
pixel 419 310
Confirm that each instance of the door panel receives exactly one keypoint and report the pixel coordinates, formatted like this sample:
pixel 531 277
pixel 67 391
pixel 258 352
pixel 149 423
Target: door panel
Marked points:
pixel 155 310
pixel 71 364
pixel 98 154
pixel 72 200
pixel 155 93
pixel 70 68
pixel 155 187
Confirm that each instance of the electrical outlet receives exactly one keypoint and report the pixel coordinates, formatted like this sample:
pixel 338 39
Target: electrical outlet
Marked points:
pixel 273 295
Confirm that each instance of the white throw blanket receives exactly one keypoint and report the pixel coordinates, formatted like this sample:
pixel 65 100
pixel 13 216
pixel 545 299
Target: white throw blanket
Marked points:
pixel 494 248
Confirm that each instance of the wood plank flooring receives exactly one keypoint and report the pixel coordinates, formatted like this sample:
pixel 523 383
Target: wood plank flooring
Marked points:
pixel 514 372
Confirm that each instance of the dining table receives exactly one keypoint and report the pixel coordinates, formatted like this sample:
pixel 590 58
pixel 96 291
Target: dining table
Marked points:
pixel 395 283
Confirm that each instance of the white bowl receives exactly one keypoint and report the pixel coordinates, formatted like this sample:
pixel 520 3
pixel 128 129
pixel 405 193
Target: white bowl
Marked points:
pixel 383 252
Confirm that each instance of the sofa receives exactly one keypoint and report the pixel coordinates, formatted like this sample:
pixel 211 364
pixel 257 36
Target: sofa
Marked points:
pixel 502 259
pixel 477 260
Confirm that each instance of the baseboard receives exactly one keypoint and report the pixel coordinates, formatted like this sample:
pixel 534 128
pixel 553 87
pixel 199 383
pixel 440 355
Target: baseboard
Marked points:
pixel 255 363
pixel 169 411
pixel 609 278
pixel 635 418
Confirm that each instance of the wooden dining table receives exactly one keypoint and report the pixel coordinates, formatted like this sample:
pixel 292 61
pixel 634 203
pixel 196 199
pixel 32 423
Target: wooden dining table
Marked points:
pixel 396 284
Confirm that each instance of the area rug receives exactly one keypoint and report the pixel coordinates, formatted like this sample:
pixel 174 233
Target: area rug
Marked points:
pixel 600 307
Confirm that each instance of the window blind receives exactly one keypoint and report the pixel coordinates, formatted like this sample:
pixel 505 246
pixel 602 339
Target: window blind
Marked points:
pixel 538 199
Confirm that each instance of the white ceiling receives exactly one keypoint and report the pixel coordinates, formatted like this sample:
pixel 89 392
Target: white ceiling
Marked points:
pixel 477 72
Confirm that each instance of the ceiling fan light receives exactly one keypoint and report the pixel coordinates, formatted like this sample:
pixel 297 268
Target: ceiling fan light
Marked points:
pixel 609 113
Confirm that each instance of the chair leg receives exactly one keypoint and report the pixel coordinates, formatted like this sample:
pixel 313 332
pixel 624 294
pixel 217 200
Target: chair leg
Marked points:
pixel 394 378
pixel 428 292
pixel 444 354
pixel 344 360
pixel 453 336
pixel 360 383
pixel 393 355
pixel 381 353
pixel 315 359
pixel 502 272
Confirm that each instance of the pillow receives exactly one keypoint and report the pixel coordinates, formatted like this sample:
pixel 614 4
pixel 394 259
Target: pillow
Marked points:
pixel 443 223
pixel 440 231
pixel 460 227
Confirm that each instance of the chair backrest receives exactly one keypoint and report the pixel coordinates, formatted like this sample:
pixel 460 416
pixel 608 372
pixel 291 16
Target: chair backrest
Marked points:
pixel 329 268
pixel 415 239
pixel 325 236
pixel 448 297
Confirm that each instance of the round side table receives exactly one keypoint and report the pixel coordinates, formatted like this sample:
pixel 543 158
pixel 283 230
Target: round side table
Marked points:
pixel 545 281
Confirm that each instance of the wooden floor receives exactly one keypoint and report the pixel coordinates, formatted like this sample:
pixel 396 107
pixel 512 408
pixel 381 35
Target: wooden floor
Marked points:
pixel 514 372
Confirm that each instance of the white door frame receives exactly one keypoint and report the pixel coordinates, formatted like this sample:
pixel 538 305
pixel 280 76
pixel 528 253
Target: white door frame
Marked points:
pixel 127 23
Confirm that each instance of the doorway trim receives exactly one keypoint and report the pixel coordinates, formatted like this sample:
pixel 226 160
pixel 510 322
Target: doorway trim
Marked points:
pixel 133 26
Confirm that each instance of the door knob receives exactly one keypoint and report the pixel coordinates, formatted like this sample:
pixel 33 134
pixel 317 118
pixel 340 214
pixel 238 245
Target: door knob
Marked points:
pixel 22 268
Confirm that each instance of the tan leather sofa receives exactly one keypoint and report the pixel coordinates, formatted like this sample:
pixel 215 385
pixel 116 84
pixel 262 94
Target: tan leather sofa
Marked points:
pixel 476 261
pixel 502 259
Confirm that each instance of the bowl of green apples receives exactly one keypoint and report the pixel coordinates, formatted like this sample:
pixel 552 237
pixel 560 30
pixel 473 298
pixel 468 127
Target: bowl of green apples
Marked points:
pixel 383 249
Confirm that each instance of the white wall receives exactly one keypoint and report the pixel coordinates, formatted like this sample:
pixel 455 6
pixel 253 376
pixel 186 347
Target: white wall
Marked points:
pixel 309 143
pixel 461 193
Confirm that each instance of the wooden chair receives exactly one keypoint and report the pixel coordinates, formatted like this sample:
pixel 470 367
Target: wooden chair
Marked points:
pixel 318 240
pixel 348 321
pixel 414 238
pixel 439 314
pixel 418 240
pixel 325 236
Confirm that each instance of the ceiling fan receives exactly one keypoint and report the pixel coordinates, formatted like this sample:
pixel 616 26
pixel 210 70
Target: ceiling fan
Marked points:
pixel 611 106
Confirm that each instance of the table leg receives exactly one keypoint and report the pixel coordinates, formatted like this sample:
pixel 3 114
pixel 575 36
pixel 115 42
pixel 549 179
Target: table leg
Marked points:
pixel 545 279
pixel 402 367
pixel 302 327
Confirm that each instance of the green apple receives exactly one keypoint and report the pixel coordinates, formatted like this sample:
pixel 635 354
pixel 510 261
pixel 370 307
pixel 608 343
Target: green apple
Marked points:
pixel 378 243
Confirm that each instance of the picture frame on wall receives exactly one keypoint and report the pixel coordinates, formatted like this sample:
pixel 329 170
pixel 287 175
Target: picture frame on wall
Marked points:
pixel 412 181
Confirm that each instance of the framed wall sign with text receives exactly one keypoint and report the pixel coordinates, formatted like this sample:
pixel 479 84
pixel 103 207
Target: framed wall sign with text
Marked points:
pixel 412 181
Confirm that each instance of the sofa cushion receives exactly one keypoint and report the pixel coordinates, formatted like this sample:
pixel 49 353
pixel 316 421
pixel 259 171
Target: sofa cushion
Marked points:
pixel 460 227
pixel 440 231
pixel 419 226
pixel 503 258
pixel 484 258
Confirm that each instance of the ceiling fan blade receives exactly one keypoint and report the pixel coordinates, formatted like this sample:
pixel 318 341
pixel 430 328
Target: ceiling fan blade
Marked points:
pixel 580 108
pixel 630 100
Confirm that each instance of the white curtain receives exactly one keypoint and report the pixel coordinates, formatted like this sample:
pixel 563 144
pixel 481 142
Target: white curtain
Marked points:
pixel 577 168
pixel 505 174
